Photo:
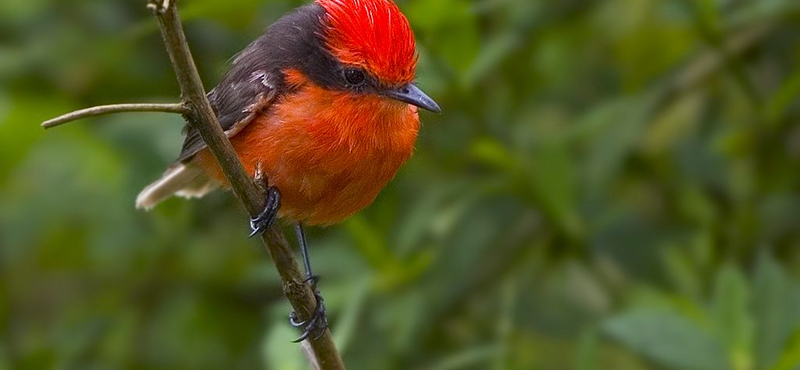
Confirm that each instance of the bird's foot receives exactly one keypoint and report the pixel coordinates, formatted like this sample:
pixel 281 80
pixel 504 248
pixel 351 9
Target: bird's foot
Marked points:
pixel 318 322
pixel 159 6
pixel 261 223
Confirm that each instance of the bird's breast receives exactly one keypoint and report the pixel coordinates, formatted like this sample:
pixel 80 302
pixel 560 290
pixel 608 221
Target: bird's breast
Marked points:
pixel 329 152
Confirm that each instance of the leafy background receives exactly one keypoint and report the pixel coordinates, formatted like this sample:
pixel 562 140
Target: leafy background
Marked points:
pixel 613 185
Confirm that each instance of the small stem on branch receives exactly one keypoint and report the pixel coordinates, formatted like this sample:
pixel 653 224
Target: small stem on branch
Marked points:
pixel 115 108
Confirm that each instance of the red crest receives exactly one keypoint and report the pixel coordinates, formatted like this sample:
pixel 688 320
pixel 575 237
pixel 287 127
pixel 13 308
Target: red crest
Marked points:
pixel 373 35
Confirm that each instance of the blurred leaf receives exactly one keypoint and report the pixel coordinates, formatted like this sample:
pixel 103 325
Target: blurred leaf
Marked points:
pixel 783 98
pixel 709 14
pixel 20 130
pixel 418 223
pixel 762 11
pixel 779 216
pixel 680 269
pixel 554 181
pixel 452 25
pixel 490 56
pixel 406 272
pixel 775 307
pixel 790 360
pixel 609 147
pixel 369 242
pixel 347 326
pixel 667 339
pixel 673 123
pixel 493 153
pixel 734 326
pixel 279 353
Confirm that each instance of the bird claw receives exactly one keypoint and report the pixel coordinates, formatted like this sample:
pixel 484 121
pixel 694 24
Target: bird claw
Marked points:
pixel 293 320
pixel 261 223
pixel 159 6
pixel 318 322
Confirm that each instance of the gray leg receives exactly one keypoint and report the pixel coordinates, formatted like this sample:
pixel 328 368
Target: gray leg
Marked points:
pixel 319 319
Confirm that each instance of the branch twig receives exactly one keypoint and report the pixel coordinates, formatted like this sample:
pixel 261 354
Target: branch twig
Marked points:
pixel 115 108
pixel 321 351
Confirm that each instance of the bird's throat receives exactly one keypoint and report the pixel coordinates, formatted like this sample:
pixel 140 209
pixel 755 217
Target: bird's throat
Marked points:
pixel 342 118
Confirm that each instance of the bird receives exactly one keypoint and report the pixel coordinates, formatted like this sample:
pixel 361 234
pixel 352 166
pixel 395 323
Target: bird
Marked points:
pixel 325 103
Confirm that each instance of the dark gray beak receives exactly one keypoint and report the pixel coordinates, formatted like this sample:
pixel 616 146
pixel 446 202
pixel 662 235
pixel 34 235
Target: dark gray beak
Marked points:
pixel 413 95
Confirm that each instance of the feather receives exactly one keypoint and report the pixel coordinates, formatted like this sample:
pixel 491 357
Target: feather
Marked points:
pixel 185 180
pixel 374 35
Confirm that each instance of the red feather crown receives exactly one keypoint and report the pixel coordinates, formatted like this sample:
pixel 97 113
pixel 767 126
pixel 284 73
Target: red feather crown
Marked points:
pixel 371 34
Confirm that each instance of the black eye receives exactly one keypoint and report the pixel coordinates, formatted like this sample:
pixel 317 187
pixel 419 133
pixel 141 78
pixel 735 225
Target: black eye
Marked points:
pixel 354 77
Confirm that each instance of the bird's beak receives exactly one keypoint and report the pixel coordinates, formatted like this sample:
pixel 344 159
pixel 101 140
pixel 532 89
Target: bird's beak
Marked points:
pixel 413 95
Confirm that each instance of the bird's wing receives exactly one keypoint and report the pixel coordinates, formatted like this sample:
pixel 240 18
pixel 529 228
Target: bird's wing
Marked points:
pixel 237 100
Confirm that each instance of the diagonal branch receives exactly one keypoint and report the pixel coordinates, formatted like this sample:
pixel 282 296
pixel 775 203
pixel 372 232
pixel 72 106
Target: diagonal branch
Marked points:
pixel 251 195
pixel 115 108
pixel 321 352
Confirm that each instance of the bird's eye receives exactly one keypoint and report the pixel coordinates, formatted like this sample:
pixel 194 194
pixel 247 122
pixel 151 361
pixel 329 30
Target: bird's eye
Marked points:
pixel 354 77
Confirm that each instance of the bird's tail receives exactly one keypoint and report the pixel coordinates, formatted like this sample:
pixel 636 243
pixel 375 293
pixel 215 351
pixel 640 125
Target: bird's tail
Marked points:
pixel 184 180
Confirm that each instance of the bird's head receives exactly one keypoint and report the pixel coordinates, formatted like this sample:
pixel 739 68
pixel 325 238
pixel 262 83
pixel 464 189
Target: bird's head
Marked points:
pixel 361 47
pixel 374 46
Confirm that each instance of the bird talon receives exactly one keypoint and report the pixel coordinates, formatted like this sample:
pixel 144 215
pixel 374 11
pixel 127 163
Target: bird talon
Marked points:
pixel 255 227
pixel 294 321
pixel 263 221
pixel 302 337
pixel 316 325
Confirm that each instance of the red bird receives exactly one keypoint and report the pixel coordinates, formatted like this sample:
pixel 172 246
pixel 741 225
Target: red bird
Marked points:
pixel 324 103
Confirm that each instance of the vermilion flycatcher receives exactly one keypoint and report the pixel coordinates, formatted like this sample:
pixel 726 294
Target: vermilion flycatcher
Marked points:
pixel 324 104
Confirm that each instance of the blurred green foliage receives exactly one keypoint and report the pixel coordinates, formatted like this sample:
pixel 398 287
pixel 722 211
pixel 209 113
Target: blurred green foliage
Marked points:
pixel 613 185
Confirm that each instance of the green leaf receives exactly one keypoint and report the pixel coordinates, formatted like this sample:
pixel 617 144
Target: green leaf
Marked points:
pixel 667 339
pixel 775 310
pixel 554 182
pixel 733 323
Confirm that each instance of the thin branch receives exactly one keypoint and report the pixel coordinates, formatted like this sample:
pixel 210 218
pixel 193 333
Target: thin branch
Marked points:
pixel 115 108
pixel 251 195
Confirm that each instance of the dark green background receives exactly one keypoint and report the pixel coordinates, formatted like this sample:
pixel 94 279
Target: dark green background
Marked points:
pixel 612 185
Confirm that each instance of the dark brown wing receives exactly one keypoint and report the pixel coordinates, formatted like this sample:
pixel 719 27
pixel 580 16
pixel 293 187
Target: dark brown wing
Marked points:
pixel 255 79
pixel 241 96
